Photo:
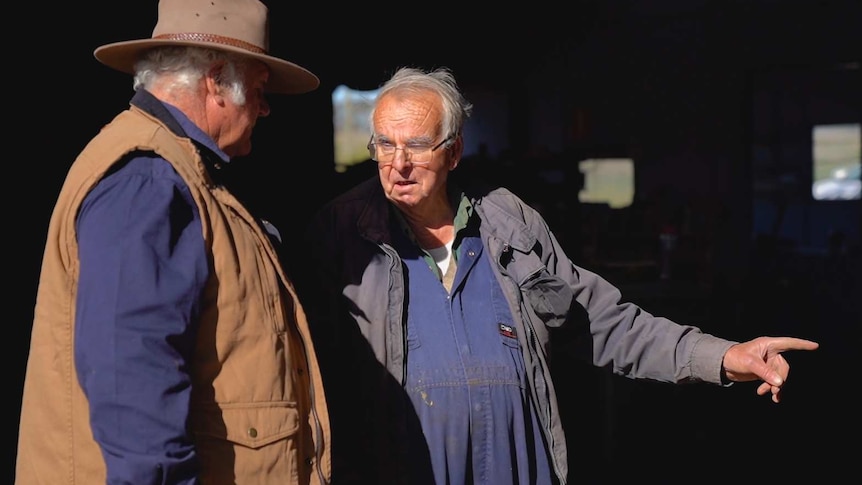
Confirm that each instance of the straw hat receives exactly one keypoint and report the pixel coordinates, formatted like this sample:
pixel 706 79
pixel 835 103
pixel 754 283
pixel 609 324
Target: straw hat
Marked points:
pixel 239 26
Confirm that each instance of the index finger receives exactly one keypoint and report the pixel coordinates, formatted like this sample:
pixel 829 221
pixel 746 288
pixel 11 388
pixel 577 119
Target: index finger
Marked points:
pixel 792 343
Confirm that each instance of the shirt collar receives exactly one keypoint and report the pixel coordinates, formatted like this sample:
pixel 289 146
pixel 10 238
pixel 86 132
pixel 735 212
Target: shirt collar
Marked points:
pixel 176 121
pixel 194 132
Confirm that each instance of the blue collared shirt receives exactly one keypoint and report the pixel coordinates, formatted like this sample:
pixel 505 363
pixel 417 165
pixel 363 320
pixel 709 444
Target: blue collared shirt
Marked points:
pixel 143 270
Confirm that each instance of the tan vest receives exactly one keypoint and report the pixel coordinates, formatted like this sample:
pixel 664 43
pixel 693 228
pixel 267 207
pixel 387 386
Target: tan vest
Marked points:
pixel 258 411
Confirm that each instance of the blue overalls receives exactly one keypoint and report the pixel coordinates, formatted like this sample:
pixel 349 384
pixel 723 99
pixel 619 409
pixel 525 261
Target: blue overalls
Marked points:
pixel 465 375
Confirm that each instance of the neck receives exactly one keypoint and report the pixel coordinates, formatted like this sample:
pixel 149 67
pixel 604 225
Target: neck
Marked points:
pixel 186 100
pixel 430 238
pixel 432 230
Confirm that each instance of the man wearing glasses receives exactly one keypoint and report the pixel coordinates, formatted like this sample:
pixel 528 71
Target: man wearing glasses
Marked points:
pixel 439 312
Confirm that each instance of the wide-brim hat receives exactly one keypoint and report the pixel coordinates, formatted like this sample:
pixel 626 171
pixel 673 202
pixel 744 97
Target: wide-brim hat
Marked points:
pixel 238 26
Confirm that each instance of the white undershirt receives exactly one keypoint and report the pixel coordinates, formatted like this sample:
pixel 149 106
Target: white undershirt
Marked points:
pixel 442 256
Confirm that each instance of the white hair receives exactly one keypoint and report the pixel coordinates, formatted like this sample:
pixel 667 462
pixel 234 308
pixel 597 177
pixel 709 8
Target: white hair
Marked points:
pixel 456 108
pixel 181 68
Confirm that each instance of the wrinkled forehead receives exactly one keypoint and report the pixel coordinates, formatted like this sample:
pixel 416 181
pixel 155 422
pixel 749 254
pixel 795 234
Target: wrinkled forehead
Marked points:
pixel 416 113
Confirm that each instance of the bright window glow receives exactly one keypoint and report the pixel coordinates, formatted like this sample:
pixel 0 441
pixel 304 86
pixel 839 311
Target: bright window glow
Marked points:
pixel 608 180
pixel 836 173
pixel 350 111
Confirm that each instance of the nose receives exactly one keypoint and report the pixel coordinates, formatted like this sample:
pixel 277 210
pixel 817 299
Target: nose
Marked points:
pixel 399 159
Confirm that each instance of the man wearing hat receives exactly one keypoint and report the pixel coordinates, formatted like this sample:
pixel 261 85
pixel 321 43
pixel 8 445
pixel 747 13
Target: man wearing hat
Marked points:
pixel 168 345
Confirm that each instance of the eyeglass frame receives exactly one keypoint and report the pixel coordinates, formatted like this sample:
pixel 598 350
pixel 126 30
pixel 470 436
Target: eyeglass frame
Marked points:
pixel 408 155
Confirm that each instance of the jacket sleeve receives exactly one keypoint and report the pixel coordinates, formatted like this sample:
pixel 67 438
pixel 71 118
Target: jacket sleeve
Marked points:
pixel 636 343
pixel 624 336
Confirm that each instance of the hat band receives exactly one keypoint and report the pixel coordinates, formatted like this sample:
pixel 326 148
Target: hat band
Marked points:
pixel 212 39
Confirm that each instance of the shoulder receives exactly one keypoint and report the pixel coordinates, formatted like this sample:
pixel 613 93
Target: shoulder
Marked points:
pixel 502 201
pixel 364 190
pixel 145 166
pixel 354 200
pixel 138 177
pixel 350 209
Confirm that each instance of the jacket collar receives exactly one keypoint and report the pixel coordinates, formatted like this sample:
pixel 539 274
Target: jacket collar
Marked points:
pixel 500 210
pixel 503 217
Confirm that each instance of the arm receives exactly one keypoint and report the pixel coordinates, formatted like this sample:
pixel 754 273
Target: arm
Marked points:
pixel 640 345
pixel 593 321
pixel 143 266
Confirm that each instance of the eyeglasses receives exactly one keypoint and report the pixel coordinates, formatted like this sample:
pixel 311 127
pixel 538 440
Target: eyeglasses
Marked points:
pixel 383 152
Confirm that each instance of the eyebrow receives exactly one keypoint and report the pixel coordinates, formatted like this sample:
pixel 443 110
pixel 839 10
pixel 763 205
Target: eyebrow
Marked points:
pixel 414 139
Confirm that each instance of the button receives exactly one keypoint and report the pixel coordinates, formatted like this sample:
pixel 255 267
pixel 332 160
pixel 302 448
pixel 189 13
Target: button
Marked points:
pixel 252 433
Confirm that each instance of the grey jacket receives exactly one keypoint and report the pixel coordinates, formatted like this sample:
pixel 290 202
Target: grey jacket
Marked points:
pixel 558 308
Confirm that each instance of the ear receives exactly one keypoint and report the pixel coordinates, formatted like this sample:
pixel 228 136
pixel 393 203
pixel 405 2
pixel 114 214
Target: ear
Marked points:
pixel 455 152
pixel 214 86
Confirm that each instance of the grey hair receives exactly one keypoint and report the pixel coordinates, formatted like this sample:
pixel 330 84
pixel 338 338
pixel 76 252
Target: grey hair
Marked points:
pixel 456 108
pixel 181 68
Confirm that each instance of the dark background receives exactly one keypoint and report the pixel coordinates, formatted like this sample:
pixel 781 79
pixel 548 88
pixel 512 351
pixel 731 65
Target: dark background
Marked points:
pixel 714 100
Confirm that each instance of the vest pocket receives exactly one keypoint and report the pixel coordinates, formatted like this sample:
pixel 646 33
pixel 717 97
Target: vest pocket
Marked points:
pixel 248 424
pixel 237 443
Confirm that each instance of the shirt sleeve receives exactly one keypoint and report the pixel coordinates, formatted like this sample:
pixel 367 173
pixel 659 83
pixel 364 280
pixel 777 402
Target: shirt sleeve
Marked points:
pixel 143 269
